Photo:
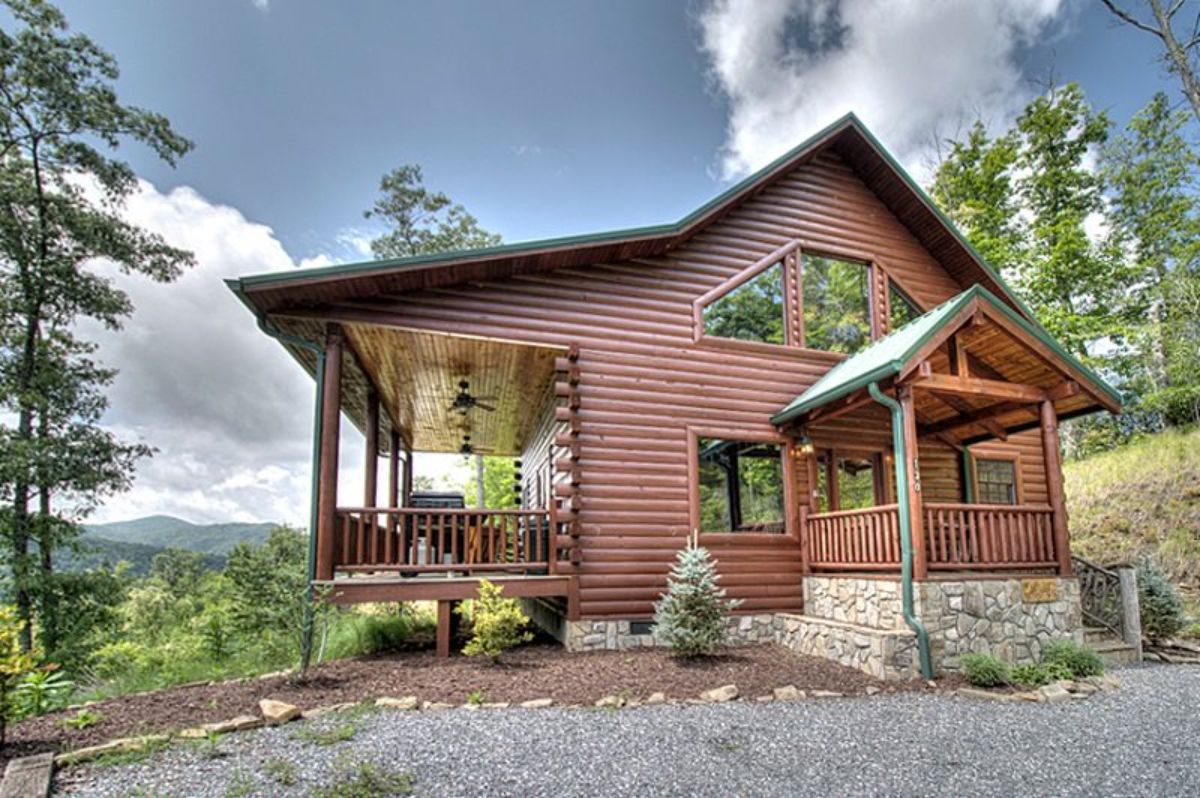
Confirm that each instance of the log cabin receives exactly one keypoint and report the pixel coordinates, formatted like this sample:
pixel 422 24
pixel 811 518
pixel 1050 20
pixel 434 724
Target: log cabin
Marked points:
pixel 814 371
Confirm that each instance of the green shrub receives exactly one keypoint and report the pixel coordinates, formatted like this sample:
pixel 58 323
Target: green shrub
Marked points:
pixel 14 664
pixel 1161 608
pixel 497 623
pixel 690 617
pixel 1040 674
pixel 1080 661
pixel 984 670
pixel 43 690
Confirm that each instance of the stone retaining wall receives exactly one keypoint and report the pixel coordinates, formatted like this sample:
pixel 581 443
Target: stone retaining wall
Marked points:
pixel 618 635
pixel 889 654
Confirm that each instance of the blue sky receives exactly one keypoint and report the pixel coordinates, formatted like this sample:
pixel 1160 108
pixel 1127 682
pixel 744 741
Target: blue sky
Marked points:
pixel 543 118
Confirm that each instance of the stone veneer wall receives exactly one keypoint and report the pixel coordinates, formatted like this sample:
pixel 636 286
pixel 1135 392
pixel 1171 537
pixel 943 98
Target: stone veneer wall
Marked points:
pixel 859 622
pixel 992 616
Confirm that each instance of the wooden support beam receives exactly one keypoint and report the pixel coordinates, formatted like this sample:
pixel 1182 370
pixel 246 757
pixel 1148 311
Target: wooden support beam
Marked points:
pixel 371 450
pixel 916 511
pixel 406 499
pixel 838 408
pixel 959 365
pixel 327 470
pixel 393 488
pixel 1054 486
pixel 974 386
pixel 973 417
pixel 445 608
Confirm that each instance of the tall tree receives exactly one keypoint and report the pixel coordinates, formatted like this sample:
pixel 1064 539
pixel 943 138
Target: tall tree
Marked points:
pixel 1181 47
pixel 1153 176
pixel 61 194
pixel 1071 281
pixel 422 222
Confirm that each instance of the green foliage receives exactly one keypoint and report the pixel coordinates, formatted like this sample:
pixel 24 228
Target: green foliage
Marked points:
pixel 281 771
pixel 751 312
pixel 268 588
pixel 43 690
pixel 1040 674
pixel 367 780
pixel 497 623
pixel 690 616
pixel 475 698
pixel 83 719
pixel 984 670
pixel 325 736
pixel 499 476
pixel 420 221
pixel 1161 608
pixel 61 197
pixel 1080 660
pixel 15 662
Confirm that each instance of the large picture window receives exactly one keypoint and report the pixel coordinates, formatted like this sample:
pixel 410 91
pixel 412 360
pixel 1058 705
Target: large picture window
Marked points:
pixel 751 312
pixel 837 306
pixel 741 486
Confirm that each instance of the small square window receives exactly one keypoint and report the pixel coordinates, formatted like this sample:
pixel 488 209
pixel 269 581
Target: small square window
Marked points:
pixel 996 481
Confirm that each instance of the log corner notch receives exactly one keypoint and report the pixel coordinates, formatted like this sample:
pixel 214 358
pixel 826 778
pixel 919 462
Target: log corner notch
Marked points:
pixel 564 504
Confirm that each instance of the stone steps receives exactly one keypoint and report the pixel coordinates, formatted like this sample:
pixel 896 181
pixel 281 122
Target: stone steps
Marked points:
pixel 1112 650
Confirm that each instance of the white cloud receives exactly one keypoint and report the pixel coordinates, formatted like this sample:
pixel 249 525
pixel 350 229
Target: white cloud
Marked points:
pixel 261 5
pixel 908 68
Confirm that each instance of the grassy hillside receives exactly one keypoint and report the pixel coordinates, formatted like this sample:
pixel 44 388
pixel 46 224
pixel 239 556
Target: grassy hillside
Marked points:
pixel 164 531
pixel 1142 499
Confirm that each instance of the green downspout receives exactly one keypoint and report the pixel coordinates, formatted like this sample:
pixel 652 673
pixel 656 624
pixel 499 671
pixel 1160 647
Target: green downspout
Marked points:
pixel 306 640
pixel 968 483
pixel 905 513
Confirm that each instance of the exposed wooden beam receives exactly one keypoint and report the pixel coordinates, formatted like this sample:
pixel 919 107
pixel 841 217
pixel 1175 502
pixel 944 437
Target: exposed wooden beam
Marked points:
pixel 959 365
pixel 976 417
pixel 838 408
pixel 974 386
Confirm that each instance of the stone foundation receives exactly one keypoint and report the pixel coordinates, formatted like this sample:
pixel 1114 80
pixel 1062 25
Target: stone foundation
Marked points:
pixel 859 622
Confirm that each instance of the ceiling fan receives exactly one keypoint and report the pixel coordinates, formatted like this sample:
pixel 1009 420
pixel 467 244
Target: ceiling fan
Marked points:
pixel 466 450
pixel 464 401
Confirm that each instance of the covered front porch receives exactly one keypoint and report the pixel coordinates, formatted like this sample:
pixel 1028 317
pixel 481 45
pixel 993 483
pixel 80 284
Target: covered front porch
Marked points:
pixel 413 391
pixel 968 398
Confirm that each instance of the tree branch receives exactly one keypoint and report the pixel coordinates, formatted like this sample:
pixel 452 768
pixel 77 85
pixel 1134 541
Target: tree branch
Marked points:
pixel 1131 19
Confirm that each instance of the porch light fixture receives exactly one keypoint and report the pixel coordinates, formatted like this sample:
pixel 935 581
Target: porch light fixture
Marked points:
pixel 804 445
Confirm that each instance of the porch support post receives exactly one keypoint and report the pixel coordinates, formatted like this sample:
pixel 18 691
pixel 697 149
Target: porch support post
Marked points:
pixel 408 477
pixel 1054 486
pixel 371 466
pixel 331 408
pixel 393 490
pixel 913 488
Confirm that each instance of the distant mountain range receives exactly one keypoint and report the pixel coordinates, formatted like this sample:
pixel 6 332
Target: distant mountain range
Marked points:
pixel 138 540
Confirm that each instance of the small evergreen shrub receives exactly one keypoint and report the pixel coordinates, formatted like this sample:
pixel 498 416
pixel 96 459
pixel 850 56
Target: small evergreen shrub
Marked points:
pixel 1161 608
pixel 14 665
pixel 690 617
pixel 498 624
pixel 984 670
pixel 1040 674
pixel 1079 661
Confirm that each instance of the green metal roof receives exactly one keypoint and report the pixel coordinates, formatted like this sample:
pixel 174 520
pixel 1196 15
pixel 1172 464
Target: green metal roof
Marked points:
pixel 888 356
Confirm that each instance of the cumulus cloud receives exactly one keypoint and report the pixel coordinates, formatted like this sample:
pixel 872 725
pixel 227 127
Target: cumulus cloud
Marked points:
pixel 229 412
pixel 908 68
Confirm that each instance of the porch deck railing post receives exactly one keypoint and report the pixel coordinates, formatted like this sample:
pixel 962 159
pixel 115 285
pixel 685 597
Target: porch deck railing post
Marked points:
pixel 1054 486
pixel 913 471
pixel 331 408
pixel 371 451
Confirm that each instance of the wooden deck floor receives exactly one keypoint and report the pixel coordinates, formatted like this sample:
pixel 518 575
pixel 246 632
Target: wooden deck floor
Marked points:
pixel 436 587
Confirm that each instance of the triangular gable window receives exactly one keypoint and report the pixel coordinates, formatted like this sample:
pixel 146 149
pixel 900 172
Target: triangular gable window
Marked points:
pixel 753 311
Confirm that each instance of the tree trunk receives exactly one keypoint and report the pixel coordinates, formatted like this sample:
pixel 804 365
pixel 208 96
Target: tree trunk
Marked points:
pixel 47 594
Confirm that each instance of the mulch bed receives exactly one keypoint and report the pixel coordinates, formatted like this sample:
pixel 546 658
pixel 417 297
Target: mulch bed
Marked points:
pixel 533 671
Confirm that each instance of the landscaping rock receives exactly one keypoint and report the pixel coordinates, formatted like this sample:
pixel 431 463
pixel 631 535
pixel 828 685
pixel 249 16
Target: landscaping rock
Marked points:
pixel 317 712
pixel 826 694
pixel 405 703
pixel 764 699
pixel 537 703
pixel 277 713
pixel 610 702
pixel 984 695
pixel 240 723
pixel 435 706
pixel 657 698
pixel 1054 693
pixel 123 745
pixel 495 705
pixel 194 733
pixel 873 690
pixel 719 695
pixel 789 692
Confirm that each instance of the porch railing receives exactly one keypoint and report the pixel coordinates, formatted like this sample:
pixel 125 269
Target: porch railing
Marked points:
pixel 989 536
pixel 958 537
pixel 867 539
pixel 415 541
pixel 1100 595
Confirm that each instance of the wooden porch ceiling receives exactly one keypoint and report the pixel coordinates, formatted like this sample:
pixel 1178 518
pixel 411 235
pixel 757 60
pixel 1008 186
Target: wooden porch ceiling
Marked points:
pixel 417 375
pixel 1007 379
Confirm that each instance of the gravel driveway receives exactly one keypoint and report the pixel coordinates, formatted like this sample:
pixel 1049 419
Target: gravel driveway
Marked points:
pixel 1143 739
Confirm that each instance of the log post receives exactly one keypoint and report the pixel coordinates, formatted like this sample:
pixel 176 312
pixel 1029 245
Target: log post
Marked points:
pixel 1054 486
pixel 408 477
pixel 331 410
pixel 916 511
pixel 371 466
pixel 393 489
pixel 445 610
